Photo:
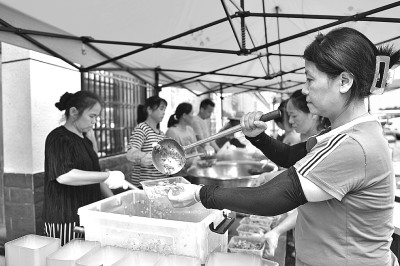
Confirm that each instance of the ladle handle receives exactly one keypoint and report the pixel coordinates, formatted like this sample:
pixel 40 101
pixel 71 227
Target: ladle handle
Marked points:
pixel 265 118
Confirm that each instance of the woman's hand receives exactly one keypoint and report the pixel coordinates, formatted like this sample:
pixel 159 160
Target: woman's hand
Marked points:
pixel 146 160
pixel 271 238
pixel 251 124
pixel 184 195
pixel 116 179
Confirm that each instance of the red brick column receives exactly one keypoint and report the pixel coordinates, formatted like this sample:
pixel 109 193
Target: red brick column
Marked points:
pixel 23 200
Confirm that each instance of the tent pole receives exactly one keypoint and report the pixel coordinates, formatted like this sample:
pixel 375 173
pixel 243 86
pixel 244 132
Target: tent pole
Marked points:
pixel 279 46
pixel 266 39
pixel 222 102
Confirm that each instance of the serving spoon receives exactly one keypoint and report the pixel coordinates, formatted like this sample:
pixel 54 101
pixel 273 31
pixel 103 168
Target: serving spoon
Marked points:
pixel 169 156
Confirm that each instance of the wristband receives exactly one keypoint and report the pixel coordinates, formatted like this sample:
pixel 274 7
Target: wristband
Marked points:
pixel 197 193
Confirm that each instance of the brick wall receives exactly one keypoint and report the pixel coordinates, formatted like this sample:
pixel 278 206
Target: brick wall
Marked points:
pixel 23 198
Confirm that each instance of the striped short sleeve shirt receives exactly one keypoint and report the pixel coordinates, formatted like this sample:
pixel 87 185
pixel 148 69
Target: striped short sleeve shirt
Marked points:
pixel 355 226
pixel 143 138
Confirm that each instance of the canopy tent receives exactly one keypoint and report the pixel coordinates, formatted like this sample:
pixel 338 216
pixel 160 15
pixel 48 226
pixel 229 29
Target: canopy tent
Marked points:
pixel 204 46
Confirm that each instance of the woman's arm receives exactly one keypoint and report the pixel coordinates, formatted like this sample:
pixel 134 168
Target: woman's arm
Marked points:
pixel 77 177
pixel 272 237
pixel 105 190
pixel 282 154
pixel 280 195
pixel 142 158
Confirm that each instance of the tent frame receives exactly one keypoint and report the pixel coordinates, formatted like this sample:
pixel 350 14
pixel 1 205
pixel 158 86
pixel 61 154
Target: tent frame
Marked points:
pixel 282 86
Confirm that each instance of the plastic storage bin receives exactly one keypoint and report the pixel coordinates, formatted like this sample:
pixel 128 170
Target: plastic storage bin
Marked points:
pixel 233 259
pixel 177 260
pixel 156 189
pixel 105 256
pixel 71 252
pixel 130 220
pixel 249 245
pixel 139 258
pixel 30 250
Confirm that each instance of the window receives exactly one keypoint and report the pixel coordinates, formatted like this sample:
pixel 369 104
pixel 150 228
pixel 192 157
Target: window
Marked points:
pixel 121 96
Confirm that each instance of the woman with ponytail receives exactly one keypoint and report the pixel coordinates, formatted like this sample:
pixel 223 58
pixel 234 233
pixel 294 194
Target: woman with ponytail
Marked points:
pixel 72 172
pixel 300 118
pixel 144 136
pixel 180 130
pixel 341 181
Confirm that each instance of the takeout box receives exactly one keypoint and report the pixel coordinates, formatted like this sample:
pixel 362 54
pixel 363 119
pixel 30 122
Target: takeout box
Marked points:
pixel 249 245
pixel 263 224
pixel 130 220
pixel 250 230
pixel 159 188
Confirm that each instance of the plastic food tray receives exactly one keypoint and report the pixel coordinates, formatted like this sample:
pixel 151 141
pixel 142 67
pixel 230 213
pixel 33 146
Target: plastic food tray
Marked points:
pixel 263 224
pixel 250 240
pixel 159 188
pixel 250 230
pixel 274 219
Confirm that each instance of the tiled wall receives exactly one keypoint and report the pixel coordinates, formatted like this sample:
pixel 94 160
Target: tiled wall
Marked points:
pixel 23 198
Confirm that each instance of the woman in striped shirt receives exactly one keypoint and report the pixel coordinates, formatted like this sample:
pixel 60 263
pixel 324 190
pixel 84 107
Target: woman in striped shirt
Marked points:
pixel 144 136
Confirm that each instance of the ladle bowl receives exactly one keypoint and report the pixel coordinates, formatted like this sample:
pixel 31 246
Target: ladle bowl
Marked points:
pixel 169 156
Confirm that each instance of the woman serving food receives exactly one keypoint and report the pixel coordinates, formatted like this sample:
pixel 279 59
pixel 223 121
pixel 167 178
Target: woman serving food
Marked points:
pixel 341 181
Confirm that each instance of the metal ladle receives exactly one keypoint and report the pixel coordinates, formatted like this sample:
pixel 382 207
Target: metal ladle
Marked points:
pixel 169 156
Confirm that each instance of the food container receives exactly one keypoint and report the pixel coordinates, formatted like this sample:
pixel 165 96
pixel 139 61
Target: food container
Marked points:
pixel 230 173
pixel 139 258
pixel 263 224
pixel 130 220
pixel 30 250
pixel 177 260
pixel 249 245
pixel 266 262
pixel 105 255
pixel 250 230
pixel 159 188
pixel 233 259
pixel 68 254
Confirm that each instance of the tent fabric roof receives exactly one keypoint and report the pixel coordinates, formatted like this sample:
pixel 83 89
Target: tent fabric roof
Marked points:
pixel 204 46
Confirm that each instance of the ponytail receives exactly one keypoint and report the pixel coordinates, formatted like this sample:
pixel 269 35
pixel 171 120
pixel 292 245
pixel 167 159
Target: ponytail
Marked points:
pixel 172 121
pixel 181 109
pixel 141 114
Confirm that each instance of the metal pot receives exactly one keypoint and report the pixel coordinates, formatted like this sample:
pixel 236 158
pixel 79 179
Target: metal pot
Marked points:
pixel 230 173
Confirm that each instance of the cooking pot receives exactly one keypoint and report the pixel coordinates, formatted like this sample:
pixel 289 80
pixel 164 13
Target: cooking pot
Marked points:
pixel 230 173
pixel 234 155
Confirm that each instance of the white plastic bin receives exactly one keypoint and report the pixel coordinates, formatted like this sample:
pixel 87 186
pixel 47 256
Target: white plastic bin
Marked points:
pixel 30 250
pixel 233 259
pixel 139 258
pixel 68 254
pixel 130 220
pixel 104 256
pixel 177 260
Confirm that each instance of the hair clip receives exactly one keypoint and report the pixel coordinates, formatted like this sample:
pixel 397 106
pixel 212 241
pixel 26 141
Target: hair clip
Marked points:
pixel 381 74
